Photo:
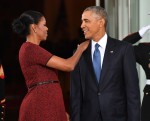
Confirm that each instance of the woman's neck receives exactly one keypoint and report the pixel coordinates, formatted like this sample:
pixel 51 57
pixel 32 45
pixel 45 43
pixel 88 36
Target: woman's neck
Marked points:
pixel 32 39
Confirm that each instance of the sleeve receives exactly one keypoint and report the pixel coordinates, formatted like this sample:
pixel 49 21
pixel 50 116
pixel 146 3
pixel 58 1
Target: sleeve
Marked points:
pixel 138 53
pixel 38 55
pixel 131 85
pixel 43 56
pixel 132 38
pixel 75 94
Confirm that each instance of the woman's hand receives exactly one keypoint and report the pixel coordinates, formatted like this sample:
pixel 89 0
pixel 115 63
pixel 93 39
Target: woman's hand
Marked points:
pixel 84 45
pixel 68 119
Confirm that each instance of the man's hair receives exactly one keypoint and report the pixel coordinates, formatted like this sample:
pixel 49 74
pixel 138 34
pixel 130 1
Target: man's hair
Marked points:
pixel 99 11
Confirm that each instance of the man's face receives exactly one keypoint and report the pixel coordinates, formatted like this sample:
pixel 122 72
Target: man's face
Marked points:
pixel 90 25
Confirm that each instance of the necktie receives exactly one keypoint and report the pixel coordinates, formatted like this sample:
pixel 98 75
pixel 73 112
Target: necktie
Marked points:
pixel 97 61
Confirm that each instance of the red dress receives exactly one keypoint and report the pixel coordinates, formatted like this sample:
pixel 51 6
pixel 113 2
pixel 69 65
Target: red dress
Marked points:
pixel 43 102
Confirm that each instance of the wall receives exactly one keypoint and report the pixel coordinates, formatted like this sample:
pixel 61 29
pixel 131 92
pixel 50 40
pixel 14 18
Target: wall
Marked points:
pixel 73 9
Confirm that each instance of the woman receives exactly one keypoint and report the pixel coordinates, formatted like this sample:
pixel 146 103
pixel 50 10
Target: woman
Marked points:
pixel 44 100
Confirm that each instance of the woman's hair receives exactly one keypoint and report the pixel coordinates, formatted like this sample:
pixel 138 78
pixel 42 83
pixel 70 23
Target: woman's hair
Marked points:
pixel 21 24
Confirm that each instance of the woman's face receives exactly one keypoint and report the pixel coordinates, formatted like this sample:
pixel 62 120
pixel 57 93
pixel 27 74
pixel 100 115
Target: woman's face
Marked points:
pixel 41 29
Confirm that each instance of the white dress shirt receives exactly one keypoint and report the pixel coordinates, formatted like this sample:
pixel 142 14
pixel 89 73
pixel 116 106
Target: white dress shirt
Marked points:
pixel 102 42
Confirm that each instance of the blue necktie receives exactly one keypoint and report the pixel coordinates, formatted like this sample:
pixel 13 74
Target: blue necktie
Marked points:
pixel 97 62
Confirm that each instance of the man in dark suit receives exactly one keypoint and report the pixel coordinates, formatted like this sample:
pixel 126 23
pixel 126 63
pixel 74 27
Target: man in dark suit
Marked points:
pixel 108 91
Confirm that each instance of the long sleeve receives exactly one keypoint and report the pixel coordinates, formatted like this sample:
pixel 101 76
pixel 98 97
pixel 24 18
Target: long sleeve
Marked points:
pixel 132 38
pixel 132 85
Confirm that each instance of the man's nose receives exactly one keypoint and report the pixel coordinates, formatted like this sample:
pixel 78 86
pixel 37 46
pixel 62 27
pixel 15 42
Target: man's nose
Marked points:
pixel 82 25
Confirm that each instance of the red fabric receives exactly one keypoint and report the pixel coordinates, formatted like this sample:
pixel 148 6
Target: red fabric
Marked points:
pixel 43 102
pixel 2 76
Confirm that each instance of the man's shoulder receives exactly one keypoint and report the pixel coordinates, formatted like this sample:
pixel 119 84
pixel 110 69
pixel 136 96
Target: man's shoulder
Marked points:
pixel 119 42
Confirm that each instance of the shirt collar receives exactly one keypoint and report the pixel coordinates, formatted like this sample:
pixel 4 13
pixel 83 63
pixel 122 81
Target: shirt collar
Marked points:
pixel 102 42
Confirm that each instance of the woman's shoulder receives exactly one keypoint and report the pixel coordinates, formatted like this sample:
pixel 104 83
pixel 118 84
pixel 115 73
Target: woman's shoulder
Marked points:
pixel 28 46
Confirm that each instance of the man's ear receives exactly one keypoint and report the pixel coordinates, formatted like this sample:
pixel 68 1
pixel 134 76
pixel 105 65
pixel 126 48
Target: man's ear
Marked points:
pixel 102 22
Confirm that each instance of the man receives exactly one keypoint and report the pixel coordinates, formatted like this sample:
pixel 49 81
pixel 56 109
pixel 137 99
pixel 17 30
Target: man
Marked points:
pixel 108 91
pixel 142 54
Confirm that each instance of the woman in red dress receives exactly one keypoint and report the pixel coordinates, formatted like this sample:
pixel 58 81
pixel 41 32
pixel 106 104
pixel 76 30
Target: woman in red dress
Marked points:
pixel 44 100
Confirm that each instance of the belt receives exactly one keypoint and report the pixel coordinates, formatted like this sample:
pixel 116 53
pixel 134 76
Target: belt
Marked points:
pixel 41 83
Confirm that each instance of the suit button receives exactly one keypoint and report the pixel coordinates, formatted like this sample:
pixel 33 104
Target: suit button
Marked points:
pixel 98 93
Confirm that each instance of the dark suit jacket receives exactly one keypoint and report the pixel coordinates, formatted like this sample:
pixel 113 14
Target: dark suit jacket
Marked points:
pixel 117 96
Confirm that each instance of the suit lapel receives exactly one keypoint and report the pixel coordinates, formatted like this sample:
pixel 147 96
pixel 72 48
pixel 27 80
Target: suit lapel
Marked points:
pixel 109 52
pixel 89 62
pixel 110 47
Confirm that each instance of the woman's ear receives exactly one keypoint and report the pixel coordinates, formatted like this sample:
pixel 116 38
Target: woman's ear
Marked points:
pixel 33 28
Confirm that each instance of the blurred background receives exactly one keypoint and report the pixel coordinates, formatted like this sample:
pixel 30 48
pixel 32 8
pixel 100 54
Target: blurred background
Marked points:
pixel 63 20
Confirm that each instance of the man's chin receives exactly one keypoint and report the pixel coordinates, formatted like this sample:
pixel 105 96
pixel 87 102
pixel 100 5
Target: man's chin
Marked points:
pixel 86 37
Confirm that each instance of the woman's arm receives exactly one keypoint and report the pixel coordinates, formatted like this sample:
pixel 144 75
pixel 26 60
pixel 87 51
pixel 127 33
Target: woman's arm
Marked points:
pixel 67 64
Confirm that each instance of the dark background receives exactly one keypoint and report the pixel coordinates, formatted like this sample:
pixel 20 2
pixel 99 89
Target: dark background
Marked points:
pixel 63 20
